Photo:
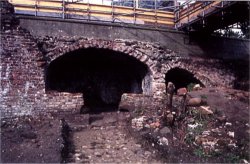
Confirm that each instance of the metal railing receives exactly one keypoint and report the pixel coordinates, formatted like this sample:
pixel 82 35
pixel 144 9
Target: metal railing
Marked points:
pixel 182 15
pixel 94 12
pixel 198 10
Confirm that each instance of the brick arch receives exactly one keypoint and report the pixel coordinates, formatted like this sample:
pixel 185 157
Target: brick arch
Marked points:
pixel 130 48
pixel 209 72
pixel 181 77
pixel 202 78
pixel 144 52
pixel 158 60
pixel 148 53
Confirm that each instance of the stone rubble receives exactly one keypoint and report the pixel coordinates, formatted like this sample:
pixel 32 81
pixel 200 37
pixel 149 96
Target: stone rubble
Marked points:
pixel 109 144
pixel 197 101
pixel 182 92
pixel 138 123
pixel 197 87
pixel 163 141
pixel 165 130
pixel 231 134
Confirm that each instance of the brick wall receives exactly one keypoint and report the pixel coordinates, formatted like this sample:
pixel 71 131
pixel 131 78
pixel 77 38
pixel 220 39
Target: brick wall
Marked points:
pixel 63 101
pixel 22 89
pixel 24 60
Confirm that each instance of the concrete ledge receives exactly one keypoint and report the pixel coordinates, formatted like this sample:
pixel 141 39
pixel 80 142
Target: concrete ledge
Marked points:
pixel 102 23
pixel 179 42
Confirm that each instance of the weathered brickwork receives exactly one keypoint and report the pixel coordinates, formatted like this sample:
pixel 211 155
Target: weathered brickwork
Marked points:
pixel 22 90
pixel 21 79
pixel 24 60
pixel 141 101
pixel 63 101
pixel 210 72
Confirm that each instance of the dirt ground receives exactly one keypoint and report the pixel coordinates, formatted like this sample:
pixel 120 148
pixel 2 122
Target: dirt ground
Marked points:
pixel 31 140
pixel 136 137
pixel 221 137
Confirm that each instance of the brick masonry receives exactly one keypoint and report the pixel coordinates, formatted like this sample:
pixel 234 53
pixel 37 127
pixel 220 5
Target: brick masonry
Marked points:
pixel 24 60
pixel 211 72
pixel 63 101
pixel 141 101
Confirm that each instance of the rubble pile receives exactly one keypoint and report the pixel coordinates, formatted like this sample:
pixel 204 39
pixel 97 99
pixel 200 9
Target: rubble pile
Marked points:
pixel 203 132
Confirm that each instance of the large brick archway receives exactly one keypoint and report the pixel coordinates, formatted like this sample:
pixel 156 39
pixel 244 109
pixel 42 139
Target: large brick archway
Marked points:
pixel 143 52
pixel 102 75
pixel 127 47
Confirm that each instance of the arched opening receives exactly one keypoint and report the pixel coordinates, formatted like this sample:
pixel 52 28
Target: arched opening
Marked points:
pixel 181 78
pixel 101 75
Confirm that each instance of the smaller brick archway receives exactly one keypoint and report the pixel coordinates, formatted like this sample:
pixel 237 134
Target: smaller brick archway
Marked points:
pixel 181 78
pixel 102 75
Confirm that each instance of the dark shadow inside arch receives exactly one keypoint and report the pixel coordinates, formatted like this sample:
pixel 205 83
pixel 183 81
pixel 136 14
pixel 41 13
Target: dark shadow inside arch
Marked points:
pixel 101 75
pixel 181 78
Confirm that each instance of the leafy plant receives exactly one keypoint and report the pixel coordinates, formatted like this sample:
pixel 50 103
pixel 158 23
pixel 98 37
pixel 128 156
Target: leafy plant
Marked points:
pixel 233 158
pixel 216 153
pixel 203 96
pixel 189 138
pixel 190 87
pixel 199 152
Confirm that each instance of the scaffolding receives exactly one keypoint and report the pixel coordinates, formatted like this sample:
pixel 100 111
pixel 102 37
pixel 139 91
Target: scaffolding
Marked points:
pixel 157 13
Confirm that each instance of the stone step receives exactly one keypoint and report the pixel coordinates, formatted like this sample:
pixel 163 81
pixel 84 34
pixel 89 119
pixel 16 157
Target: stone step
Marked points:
pixel 77 127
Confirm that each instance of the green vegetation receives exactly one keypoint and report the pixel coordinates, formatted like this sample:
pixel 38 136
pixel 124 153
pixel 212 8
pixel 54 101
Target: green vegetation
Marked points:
pixel 138 111
pixel 203 96
pixel 199 152
pixel 190 87
pixel 189 138
pixel 233 158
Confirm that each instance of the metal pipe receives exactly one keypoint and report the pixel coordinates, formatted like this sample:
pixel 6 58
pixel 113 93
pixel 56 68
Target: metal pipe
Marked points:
pixel 112 12
pixel 155 14
pixel 134 7
pixel 36 8
pixel 88 11
pixel 63 8
pixel 137 4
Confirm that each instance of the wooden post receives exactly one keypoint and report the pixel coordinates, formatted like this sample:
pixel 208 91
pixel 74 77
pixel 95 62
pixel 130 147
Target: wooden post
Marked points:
pixel 170 93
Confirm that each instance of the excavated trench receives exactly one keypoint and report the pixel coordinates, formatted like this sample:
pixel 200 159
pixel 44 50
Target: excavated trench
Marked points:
pixel 101 75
